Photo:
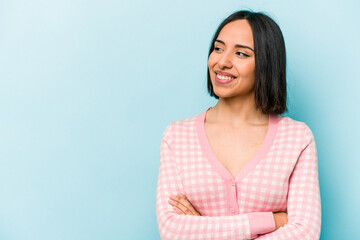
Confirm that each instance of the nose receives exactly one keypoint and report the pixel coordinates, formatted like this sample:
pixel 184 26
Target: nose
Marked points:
pixel 225 60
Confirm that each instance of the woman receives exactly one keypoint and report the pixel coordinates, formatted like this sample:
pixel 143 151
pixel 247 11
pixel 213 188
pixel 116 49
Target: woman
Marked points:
pixel 240 170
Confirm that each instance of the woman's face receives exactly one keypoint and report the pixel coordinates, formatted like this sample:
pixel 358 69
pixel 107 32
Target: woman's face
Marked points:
pixel 232 62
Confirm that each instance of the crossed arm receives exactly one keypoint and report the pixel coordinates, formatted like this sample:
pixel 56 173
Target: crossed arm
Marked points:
pixel 303 206
pixel 174 226
pixel 183 206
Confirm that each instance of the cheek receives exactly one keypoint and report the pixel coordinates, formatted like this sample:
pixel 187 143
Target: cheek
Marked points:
pixel 211 61
pixel 247 68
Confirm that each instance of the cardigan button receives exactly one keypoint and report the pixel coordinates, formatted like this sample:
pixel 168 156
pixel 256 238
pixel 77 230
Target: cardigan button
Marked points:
pixel 233 184
pixel 232 210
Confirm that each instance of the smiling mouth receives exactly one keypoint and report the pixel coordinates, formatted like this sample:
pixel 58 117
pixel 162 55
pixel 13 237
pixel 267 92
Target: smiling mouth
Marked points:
pixel 219 78
pixel 223 77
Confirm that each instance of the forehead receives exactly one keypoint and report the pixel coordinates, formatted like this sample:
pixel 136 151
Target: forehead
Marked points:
pixel 237 32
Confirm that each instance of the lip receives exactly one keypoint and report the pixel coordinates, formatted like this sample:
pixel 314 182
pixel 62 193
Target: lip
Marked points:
pixel 225 74
pixel 221 81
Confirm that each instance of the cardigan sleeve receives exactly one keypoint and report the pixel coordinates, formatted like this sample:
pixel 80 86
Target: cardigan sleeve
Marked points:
pixel 175 226
pixel 303 202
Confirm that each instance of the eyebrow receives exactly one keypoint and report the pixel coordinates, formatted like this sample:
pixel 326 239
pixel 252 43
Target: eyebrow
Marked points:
pixel 237 45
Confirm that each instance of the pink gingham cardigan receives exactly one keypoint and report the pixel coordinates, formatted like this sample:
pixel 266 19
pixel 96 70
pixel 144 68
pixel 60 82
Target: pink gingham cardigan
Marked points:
pixel 281 176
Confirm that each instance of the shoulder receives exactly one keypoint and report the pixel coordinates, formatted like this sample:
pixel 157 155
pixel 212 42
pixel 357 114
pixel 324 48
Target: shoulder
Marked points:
pixel 295 128
pixel 180 128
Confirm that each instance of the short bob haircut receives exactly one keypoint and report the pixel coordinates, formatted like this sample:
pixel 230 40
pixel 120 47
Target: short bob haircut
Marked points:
pixel 270 61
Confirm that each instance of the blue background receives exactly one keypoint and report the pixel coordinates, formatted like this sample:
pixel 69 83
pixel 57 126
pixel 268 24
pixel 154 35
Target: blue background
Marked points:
pixel 87 88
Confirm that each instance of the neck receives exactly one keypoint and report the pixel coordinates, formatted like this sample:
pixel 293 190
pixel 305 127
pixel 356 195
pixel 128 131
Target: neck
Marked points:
pixel 238 111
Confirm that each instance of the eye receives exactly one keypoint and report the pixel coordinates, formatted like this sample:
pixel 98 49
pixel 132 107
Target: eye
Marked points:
pixel 217 49
pixel 241 54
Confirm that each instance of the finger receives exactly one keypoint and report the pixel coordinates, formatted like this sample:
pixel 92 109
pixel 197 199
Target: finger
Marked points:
pixel 185 202
pixel 182 199
pixel 189 204
pixel 174 204
pixel 178 211
pixel 178 206
pixel 186 205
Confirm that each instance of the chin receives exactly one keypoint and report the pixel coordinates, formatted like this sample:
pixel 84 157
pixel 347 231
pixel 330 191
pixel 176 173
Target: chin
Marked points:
pixel 224 94
pixel 229 93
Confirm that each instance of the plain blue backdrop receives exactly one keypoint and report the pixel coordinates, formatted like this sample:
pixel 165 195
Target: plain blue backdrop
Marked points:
pixel 87 88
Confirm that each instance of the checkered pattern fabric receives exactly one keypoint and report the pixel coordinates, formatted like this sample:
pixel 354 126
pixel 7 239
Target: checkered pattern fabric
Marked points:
pixel 282 176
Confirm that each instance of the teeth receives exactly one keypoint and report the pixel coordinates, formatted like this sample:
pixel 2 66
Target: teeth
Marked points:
pixel 222 77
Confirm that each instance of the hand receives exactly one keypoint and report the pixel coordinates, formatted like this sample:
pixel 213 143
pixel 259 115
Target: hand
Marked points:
pixel 280 219
pixel 182 205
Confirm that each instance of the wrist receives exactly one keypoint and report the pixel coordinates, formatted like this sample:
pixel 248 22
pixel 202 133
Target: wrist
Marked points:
pixel 275 221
